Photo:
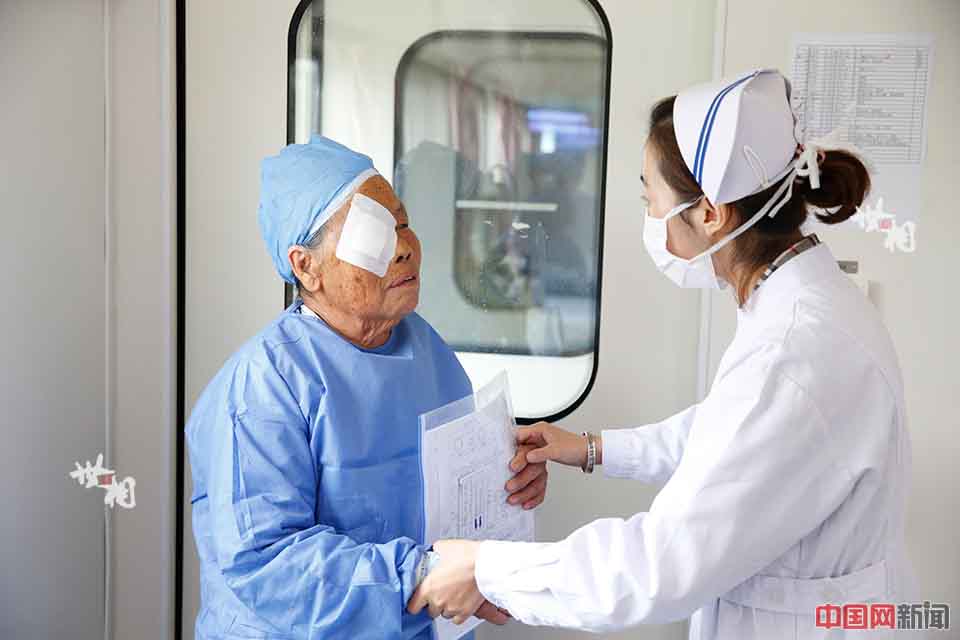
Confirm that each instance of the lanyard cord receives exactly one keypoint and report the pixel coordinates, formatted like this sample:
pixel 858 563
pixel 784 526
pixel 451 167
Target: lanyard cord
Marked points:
pixel 808 242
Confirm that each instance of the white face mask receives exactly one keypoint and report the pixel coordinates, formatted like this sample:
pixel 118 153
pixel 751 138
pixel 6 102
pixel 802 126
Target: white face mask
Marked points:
pixel 698 272
pixel 695 273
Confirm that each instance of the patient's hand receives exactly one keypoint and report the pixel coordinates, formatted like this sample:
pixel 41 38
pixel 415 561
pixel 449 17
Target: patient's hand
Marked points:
pixel 529 486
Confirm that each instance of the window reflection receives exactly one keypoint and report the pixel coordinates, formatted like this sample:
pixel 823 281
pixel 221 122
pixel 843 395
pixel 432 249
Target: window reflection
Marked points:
pixel 500 138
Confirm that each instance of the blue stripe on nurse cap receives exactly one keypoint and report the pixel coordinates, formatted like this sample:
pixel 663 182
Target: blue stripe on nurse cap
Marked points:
pixel 736 134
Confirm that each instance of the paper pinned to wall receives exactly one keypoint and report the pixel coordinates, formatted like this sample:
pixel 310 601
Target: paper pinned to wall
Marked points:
pixel 872 90
pixel 467 448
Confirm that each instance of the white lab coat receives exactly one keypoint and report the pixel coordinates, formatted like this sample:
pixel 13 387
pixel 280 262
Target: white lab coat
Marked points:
pixel 784 488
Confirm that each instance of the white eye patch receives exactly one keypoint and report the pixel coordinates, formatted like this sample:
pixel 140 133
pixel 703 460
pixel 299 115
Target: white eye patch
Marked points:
pixel 369 236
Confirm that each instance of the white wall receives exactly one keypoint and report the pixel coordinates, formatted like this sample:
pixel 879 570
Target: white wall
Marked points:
pixel 87 264
pixel 52 352
pixel 915 293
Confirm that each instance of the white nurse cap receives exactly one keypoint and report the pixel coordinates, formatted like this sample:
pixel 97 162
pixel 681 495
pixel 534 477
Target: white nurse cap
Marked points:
pixel 736 135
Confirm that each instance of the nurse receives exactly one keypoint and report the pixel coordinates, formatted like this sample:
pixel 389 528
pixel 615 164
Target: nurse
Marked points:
pixel 782 490
pixel 304 448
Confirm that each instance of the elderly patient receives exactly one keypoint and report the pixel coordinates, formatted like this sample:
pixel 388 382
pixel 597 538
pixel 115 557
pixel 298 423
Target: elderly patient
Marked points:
pixel 307 501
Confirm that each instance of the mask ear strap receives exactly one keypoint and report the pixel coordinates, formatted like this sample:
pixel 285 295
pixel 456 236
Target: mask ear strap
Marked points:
pixel 780 197
pixel 680 208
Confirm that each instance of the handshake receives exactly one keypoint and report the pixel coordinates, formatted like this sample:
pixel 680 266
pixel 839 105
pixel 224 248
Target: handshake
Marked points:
pixel 450 590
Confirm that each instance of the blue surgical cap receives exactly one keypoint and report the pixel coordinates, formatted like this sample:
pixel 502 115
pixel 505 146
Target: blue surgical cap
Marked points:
pixel 301 188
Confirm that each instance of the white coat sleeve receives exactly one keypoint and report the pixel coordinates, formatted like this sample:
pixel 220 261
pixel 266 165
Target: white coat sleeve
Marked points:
pixel 649 454
pixel 755 478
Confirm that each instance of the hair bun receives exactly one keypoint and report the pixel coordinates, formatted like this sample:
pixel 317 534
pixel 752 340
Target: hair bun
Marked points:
pixel 844 184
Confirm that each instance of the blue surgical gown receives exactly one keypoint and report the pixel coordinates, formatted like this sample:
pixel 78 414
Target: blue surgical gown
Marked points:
pixel 307 492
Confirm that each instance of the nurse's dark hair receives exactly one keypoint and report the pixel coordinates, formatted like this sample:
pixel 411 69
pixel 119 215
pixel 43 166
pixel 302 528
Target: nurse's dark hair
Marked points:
pixel 844 183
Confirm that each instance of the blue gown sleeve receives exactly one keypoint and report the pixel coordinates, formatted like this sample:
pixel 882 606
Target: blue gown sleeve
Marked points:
pixel 303 577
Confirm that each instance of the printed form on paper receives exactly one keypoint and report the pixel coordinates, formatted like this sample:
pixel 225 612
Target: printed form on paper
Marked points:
pixel 467 449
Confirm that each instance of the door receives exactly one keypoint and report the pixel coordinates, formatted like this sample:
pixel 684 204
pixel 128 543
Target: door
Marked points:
pixel 624 339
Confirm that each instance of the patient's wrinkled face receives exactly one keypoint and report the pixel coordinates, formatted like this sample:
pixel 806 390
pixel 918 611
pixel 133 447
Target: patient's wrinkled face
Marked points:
pixel 360 292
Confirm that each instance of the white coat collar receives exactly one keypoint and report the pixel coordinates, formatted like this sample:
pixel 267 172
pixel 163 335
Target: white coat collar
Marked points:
pixel 786 283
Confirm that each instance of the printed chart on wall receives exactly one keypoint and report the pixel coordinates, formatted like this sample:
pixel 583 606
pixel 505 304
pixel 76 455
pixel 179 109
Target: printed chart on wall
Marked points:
pixel 869 92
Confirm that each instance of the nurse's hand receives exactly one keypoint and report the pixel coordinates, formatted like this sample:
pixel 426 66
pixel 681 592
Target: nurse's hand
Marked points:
pixel 547 442
pixel 450 589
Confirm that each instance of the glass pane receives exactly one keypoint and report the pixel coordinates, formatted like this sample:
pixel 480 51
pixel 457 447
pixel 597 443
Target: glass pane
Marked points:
pixel 493 120
pixel 513 122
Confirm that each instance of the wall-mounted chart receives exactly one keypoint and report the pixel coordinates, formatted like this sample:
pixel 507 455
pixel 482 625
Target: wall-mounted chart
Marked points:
pixel 869 92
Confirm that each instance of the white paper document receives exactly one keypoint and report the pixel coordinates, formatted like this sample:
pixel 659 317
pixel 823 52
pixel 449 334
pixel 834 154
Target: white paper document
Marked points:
pixel 467 449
